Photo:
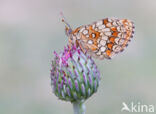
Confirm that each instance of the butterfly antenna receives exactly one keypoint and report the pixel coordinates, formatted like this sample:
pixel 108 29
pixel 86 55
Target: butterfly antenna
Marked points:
pixel 64 20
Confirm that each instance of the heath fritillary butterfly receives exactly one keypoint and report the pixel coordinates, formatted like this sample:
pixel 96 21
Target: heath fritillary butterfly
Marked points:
pixel 103 38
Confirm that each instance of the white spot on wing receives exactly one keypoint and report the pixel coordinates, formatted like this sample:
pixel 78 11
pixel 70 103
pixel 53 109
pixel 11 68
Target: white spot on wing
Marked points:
pixel 119 35
pixel 99 23
pixel 123 29
pixel 98 40
pixel 105 37
pixel 116 48
pixel 106 29
pixel 108 33
pixel 96 29
pixel 78 36
pixel 87 36
pixel 93 35
pixel 110 20
pixel 119 29
pixel 109 24
pixel 98 53
pixel 126 23
pixel 81 30
pixel 93 26
pixel 116 40
pixel 121 41
pixel 114 23
pixel 101 27
pixel 103 49
pixel 101 34
pixel 99 45
pixel 103 42
pixel 90 42
pixel 85 32
pixel 118 23
pixel 75 37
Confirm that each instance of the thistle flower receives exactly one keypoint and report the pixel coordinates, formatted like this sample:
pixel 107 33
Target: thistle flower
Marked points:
pixel 74 75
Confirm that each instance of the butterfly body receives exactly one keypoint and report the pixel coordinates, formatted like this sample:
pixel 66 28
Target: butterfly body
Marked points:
pixel 103 38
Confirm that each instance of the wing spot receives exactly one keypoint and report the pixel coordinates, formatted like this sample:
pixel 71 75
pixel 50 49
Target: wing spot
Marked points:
pixel 115 34
pixel 108 33
pixel 105 21
pixel 98 53
pixel 99 23
pixel 93 26
pixel 123 29
pixel 98 40
pixel 101 27
pixel 119 35
pixel 114 29
pixel 102 42
pixel 110 20
pixel 115 24
pixel 87 36
pixel 108 52
pixel 116 40
pixel 121 41
pixel 77 37
pixel 103 49
pixel 81 30
pixel 112 39
pixel 93 35
pixel 110 45
pixel 109 25
pixel 106 30
pixel 90 42
pixel 105 37
pixel 99 45
pixel 119 29
pixel 101 34
pixel 85 32
pixel 116 48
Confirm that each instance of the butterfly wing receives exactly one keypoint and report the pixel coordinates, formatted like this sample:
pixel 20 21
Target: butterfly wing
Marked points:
pixel 105 38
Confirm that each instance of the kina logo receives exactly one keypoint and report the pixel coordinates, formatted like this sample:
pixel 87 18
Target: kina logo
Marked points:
pixel 137 107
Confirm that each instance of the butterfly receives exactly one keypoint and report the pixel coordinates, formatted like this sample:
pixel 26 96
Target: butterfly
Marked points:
pixel 103 38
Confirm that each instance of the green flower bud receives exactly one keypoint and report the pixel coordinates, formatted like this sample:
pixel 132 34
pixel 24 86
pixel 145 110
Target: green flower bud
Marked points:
pixel 74 75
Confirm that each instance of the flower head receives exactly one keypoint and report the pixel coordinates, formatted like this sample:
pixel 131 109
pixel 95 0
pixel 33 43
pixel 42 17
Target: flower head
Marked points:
pixel 74 75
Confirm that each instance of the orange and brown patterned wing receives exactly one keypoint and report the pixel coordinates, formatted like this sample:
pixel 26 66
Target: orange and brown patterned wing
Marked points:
pixel 105 38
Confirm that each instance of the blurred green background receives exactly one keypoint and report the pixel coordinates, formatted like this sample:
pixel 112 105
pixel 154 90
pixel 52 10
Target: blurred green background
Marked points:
pixel 30 30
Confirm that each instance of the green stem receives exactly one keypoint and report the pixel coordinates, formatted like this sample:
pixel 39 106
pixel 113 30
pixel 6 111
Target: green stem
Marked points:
pixel 79 107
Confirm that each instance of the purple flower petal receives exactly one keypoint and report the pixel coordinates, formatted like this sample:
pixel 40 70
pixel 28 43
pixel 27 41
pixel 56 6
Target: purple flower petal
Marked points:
pixel 68 92
pixel 83 89
pixel 90 80
pixel 84 78
pixel 76 86
pixel 70 83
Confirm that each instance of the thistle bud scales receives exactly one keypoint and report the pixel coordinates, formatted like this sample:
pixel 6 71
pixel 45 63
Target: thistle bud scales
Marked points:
pixel 74 75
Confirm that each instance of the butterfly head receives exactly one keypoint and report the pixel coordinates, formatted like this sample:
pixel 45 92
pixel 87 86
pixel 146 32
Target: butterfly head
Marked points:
pixel 68 31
